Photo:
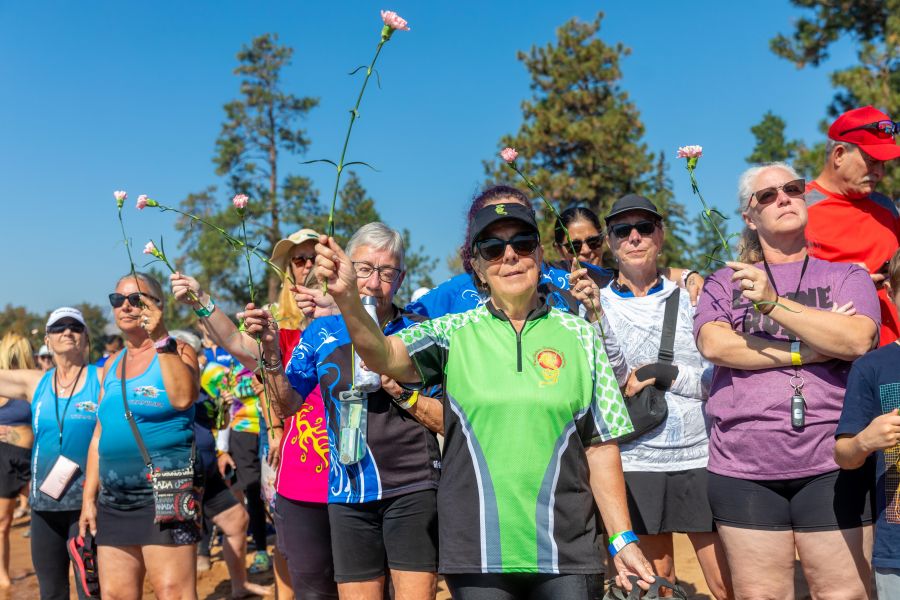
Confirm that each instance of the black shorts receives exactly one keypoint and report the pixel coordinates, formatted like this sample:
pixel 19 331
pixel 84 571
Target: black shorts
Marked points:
pixel 217 496
pixel 402 528
pixel 15 469
pixel 304 538
pixel 668 502
pixel 534 586
pixel 135 527
pixel 828 502
pixel 244 450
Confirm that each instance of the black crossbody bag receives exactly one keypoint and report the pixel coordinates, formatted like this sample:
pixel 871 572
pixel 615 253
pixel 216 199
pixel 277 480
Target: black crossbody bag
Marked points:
pixel 648 408
pixel 176 499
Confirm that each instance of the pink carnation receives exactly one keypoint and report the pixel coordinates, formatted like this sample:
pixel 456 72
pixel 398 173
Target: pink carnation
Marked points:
pixel 120 195
pixel 240 201
pixel 150 248
pixel 509 154
pixel 393 20
pixel 690 152
pixel 141 202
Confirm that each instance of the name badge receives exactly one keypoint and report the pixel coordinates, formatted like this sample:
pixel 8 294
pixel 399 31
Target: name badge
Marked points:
pixel 59 477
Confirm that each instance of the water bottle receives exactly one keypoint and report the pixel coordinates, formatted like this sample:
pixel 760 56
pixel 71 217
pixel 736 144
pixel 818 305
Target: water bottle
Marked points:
pixel 364 380
pixel 354 414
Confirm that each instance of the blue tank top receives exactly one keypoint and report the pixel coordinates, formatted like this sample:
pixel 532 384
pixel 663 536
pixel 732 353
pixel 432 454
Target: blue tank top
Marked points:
pixel 167 433
pixel 15 412
pixel 78 418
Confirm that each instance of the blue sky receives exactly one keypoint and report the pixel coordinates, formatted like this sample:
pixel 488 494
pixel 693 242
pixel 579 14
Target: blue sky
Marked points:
pixel 99 96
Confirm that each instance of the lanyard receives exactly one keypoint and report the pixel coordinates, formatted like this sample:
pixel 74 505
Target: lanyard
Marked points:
pixel 799 282
pixel 61 422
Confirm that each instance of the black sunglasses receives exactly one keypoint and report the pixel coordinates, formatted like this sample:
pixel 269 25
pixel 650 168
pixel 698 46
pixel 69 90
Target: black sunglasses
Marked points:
pixel 523 244
pixel 61 327
pixel 594 242
pixel 794 189
pixel 301 259
pixel 623 230
pixel 889 127
pixel 116 299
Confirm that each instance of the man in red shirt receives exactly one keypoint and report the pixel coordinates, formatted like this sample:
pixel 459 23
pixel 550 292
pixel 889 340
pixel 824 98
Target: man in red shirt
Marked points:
pixel 848 220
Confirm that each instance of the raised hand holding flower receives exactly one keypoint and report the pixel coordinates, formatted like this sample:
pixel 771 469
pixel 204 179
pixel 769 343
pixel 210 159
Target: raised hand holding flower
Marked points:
pixel 509 155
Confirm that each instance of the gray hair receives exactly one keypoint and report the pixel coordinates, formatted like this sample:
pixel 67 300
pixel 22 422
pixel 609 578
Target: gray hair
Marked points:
pixel 746 187
pixel 831 144
pixel 380 237
pixel 152 285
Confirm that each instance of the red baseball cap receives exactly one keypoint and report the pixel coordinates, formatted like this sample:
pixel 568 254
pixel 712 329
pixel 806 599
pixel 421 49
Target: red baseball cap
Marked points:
pixel 876 143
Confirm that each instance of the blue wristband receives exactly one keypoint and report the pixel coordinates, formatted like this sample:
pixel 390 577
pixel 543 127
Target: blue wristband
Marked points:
pixel 620 540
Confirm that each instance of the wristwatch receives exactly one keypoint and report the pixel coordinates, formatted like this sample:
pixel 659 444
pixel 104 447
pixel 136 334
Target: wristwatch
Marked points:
pixel 167 345
pixel 407 399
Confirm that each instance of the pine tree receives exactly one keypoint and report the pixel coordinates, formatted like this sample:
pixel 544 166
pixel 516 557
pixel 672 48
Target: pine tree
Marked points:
pixel 580 139
pixel 260 129
pixel 771 144
pixel 874 26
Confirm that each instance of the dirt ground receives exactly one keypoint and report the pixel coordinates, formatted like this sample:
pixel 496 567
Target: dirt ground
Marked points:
pixel 213 584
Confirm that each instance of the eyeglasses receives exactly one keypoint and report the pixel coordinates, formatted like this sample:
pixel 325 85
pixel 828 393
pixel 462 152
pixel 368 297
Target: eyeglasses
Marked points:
pixel 301 259
pixel 61 327
pixel 523 244
pixel 891 128
pixel 116 299
pixel 794 189
pixel 594 242
pixel 364 270
pixel 623 230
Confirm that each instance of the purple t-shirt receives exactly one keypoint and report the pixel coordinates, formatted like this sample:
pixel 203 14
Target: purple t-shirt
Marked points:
pixel 752 436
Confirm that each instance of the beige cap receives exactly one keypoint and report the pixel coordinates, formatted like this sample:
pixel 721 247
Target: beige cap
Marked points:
pixel 284 246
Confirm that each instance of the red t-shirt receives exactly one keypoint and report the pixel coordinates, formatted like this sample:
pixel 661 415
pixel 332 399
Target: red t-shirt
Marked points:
pixel 856 231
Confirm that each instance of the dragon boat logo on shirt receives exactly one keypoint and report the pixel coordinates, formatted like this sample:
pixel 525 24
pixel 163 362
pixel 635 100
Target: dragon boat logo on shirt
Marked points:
pixel 147 391
pixel 550 361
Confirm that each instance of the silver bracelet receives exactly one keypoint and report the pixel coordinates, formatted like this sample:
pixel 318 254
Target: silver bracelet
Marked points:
pixel 274 367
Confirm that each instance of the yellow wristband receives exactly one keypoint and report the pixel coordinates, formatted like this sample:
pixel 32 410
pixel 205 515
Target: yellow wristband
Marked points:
pixel 409 402
pixel 796 360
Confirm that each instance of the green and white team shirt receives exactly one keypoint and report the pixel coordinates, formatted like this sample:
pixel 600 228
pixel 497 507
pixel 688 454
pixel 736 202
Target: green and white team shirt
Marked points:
pixel 519 411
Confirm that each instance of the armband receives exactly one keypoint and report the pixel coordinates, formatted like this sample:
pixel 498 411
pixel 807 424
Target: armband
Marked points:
pixel 796 359
pixel 205 311
pixel 620 540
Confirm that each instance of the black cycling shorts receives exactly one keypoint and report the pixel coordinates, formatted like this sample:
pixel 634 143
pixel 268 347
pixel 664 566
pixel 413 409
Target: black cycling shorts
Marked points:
pixel 402 529
pixel 828 502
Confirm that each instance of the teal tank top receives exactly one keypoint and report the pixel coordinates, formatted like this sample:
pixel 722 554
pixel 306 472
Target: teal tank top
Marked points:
pixel 167 433
pixel 71 418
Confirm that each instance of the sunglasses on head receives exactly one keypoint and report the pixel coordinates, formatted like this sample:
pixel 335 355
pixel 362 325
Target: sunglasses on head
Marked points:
pixel 61 327
pixel 116 299
pixel 623 230
pixel 593 242
pixel 301 259
pixel 889 127
pixel 794 189
pixel 523 244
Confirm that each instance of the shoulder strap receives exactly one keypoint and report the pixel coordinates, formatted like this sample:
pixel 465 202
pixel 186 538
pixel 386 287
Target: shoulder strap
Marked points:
pixel 134 428
pixel 667 341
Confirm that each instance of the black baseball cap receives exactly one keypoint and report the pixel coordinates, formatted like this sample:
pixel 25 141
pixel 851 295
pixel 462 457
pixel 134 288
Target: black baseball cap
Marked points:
pixel 630 202
pixel 489 215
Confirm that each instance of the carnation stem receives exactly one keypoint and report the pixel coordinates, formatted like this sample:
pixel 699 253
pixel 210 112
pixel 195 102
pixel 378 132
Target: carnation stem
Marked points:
pixel 128 249
pixel 540 194
pixel 235 243
pixel 353 115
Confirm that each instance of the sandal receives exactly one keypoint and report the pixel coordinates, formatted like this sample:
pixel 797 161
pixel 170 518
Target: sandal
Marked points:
pixel 614 592
pixel 83 552
pixel 262 563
